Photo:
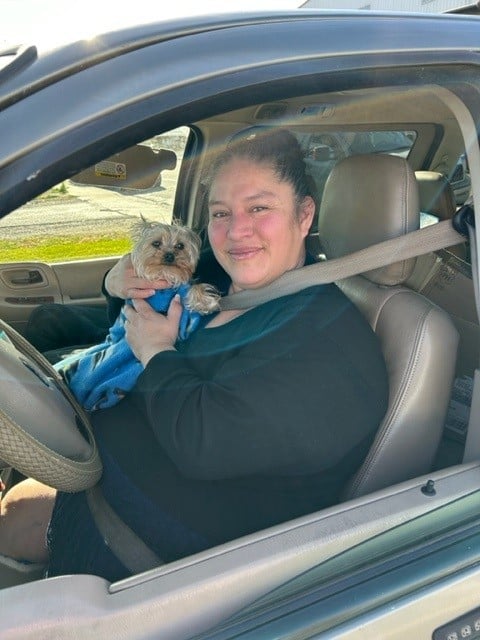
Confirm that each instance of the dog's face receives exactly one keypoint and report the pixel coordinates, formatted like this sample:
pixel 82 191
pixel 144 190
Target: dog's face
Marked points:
pixel 165 251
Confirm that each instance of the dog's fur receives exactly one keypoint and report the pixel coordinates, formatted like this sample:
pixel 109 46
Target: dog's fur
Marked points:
pixel 170 252
pixel 100 376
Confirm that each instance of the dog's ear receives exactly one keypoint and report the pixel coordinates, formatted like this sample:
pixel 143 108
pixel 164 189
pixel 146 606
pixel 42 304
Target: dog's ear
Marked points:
pixel 192 235
pixel 141 228
pixel 194 238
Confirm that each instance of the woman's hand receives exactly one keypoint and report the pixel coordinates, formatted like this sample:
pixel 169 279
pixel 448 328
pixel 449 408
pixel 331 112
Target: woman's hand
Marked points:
pixel 122 282
pixel 149 332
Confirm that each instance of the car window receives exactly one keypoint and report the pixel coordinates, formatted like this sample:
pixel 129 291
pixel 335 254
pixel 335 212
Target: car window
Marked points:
pixel 323 150
pixel 347 143
pixel 91 214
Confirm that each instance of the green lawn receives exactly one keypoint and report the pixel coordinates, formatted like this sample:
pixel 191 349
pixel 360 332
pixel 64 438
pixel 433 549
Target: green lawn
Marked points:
pixel 64 248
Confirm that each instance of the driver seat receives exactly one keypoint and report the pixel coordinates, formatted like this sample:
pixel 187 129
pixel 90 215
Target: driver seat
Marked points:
pixel 368 199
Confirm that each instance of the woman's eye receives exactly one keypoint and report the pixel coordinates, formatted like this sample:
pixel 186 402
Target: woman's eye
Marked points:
pixel 179 246
pixel 218 214
pixel 156 244
pixel 258 208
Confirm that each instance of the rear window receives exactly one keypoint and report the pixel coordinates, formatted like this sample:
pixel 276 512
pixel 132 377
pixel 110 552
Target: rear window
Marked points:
pixel 324 150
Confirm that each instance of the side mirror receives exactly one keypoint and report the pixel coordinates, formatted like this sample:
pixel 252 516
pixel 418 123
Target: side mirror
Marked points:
pixel 138 167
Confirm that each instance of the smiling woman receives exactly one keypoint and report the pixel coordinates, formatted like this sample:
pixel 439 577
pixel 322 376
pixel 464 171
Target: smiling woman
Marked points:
pixel 251 229
pixel 262 467
pixel 234 457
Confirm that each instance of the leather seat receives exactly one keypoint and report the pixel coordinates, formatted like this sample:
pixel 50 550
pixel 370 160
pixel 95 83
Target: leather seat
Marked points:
pixel 437 198
pixel 368 199
pixel 435 194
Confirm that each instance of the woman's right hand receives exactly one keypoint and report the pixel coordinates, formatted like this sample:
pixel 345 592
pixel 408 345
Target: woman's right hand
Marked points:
pixel 122 282
pixel 149 332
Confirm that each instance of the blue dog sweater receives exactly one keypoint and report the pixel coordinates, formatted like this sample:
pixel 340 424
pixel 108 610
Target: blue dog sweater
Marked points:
pixel 100 376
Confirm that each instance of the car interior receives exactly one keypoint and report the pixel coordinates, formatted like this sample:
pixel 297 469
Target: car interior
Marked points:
pixel 384 161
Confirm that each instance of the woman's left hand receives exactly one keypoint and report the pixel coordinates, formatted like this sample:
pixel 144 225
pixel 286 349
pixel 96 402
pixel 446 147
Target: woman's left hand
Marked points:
pixel 149 332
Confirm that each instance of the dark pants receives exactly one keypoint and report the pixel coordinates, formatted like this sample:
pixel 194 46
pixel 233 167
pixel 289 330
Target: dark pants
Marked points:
pixel 57 329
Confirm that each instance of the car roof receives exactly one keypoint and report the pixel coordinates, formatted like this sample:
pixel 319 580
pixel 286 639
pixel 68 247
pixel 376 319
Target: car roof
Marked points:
pixel 28 67
pixel 49 98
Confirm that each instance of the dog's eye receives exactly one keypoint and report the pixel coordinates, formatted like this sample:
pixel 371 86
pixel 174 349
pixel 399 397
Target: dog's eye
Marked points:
pixel 179 246
pixel 157 244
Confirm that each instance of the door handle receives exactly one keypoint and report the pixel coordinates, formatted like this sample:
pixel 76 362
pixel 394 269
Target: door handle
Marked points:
pixel 31 277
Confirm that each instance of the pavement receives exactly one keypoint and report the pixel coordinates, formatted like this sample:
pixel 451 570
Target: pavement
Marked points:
pixel 90 210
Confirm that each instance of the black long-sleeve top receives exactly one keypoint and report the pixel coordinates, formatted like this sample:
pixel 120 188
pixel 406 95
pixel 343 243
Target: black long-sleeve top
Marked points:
pixel 246 425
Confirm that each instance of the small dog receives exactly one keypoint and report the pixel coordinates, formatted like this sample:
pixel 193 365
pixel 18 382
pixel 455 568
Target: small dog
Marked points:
pixel 170 252
pixel 100 376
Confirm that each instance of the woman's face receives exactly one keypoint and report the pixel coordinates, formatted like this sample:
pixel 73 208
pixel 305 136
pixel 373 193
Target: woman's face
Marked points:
pixel 254 228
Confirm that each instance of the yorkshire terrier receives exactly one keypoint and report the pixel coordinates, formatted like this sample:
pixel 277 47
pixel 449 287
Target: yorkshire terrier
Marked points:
pixel 170 252
pixel 101 376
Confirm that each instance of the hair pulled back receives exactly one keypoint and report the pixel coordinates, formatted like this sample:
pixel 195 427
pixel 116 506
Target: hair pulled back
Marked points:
pixel 277 148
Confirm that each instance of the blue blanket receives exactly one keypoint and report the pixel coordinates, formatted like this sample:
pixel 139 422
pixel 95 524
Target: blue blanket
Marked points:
pixel 100 376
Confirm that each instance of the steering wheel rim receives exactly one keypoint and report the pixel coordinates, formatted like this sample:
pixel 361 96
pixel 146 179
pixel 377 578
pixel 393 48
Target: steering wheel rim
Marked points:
pixel 51 441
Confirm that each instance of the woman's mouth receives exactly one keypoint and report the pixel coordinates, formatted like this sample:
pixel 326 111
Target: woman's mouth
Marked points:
pixel 244 253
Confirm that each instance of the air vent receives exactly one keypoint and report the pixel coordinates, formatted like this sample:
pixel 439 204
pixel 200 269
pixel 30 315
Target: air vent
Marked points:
pixel 271 111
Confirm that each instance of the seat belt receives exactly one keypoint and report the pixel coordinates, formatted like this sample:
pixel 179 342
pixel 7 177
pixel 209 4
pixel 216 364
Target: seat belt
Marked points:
pixel 432 238
pixel 132 552
pixel 122 541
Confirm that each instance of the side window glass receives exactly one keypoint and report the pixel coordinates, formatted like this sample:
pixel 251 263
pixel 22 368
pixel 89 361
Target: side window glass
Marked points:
pixel 324 150
pixel 91 215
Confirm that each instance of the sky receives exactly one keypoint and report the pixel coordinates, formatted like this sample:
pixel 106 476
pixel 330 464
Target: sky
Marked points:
pixel 52 21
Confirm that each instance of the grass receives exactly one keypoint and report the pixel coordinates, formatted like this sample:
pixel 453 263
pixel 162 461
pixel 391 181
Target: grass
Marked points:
pixel 60 191
pixel 63 248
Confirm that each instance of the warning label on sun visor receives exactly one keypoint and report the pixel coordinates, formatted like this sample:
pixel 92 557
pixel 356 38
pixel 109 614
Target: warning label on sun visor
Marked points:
pixel 111 169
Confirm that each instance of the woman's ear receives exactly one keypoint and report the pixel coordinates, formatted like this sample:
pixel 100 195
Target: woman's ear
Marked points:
pixel 306 214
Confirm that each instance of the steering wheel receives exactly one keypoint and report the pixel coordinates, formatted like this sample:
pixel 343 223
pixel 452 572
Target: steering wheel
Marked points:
pixel 44 433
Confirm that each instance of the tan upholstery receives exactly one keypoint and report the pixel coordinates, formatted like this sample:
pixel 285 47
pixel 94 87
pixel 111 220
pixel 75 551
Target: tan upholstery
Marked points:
pixel 435 194
pixel 369 198
pixel 437 198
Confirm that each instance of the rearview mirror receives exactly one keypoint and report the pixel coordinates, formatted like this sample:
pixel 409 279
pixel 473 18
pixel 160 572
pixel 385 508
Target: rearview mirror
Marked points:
pixel 138 167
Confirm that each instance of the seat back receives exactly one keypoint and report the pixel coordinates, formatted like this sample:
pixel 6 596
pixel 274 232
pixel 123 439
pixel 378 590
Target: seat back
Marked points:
pixel 436 198
pixel 435 194
pixel 368 199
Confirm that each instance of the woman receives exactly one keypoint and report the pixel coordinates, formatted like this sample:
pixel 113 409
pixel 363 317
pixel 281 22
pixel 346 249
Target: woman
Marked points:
pixel 261 415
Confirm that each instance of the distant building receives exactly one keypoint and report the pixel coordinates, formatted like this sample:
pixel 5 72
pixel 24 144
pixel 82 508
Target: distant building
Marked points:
pixel 432 6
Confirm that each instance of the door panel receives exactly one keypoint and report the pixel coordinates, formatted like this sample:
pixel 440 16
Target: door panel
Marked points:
pixel 25 285
pixel 87 288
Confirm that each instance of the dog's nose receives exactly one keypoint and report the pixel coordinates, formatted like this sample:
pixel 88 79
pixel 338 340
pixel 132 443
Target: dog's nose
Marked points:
pixel 169 257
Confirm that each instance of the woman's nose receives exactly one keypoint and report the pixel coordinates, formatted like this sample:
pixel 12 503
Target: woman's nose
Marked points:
pixel 240 224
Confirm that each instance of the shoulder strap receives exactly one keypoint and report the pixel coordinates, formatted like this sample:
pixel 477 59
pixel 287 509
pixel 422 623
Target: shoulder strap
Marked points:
pixel 431 238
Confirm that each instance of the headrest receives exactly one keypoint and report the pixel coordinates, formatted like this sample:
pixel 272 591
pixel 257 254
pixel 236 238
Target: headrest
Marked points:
pixel 368 199
pixel 436 194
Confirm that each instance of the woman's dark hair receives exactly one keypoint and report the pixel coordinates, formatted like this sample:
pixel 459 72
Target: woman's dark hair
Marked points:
pixel 277 148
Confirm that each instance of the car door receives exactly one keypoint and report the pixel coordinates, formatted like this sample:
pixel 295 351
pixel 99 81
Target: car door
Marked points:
pixel 143 95
pixel 58 247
